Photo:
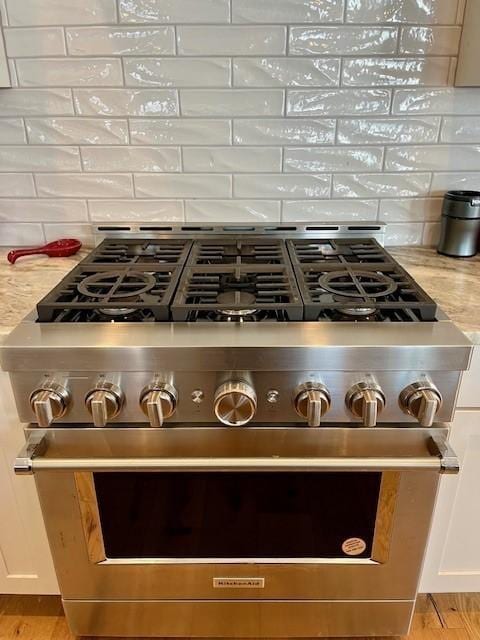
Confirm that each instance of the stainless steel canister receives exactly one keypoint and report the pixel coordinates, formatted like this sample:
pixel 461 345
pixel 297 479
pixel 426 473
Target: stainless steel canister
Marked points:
pixel 460 234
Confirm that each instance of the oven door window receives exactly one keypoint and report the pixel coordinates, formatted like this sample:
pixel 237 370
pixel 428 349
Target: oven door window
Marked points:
pixel 197 516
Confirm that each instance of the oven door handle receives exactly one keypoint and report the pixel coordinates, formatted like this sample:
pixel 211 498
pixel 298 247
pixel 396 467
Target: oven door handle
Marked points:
pixel 32 458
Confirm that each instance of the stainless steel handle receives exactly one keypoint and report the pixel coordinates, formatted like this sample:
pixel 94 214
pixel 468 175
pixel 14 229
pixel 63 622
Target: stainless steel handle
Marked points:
pixel 31 459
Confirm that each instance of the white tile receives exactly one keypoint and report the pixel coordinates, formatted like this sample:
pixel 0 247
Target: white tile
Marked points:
pixel 283 131
pixel 342 40
pixel 25 102
pixel 16 185
pixel 73 72
pixel 81 185
pixel 397 235
pixel 410 210
pixel 20 235
pixel 28 158
pixel 180 131
pixel 287 11
pixel 416 11
pixel 455 181
pixel 177 72
pixel 329 159
pixel 229 159
pixel 430 41
pixel 231 102
pixel 380 185
pixel 103 159
pixel 159 103
pixel 388 130
pixel 232 211
pixel 431 234
pixel 186 185
pixel 433 158
pixel 436 101
pixel 231 41
pixel 136 210
pixel 12 131
pixel 52 12
pixel 286 72
pixel 3 13
pixel 367 72
pixel 77 131
pixel 30 210
pixel 281 186
pixel 82 232
pixel 202 11
pixel 337 102
pixel 127 41
pixel 458 129
pixel 329 210
pixel 43 41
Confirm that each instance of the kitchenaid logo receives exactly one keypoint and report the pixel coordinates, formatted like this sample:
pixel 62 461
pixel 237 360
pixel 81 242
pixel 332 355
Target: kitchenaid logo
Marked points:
pixel 243 583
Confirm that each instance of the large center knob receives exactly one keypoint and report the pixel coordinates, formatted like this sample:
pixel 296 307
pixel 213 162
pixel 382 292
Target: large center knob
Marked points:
pixel 235 403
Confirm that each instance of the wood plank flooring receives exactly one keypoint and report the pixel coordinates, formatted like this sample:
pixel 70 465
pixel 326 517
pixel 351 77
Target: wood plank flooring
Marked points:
pixel 437 617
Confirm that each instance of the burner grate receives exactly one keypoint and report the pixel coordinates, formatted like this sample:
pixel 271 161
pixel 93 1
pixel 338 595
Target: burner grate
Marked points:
pixel 245 251
pixel 140 251
pixel 340 252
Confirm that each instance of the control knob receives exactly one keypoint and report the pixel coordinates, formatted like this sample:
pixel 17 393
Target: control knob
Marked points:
pixel 422 400
pixel 366 400
pixel 158 401
pixel 104 403
pixel 235 403
pixel 49 402
pixel 312 401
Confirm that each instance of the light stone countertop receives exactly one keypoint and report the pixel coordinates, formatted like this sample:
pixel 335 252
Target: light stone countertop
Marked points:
pixel 453 284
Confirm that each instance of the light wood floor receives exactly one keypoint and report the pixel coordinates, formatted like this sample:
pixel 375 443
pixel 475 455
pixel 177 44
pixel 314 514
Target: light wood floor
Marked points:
pixel 439 617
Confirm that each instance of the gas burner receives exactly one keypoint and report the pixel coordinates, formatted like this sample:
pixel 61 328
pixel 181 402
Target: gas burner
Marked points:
pixel 242 301
pixel 357 284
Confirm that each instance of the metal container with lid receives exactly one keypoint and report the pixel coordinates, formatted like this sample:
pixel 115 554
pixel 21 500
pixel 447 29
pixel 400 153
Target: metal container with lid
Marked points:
pixel 460 234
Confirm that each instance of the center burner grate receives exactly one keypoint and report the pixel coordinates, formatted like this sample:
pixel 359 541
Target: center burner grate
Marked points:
pixel 245 251
pixel 140 251
pixel 340 252
pixel 237 294
pixel 95 293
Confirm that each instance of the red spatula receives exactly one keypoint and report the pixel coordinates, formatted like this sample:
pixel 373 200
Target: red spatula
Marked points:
pixel 57 249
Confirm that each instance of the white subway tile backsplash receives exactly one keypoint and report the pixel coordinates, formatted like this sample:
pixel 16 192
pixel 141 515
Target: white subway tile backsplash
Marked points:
pixel 82 232
pixel 103 159
pixel 230 159
pixel 61 12
pixel 282 131
pixel 82 185
pixel 12 131
pixel 436 101
pixel 31 102
pixel 329 210
pixel 458 129
pixel 283 186
pixel 126 102
pixel 136 210
pixel 380 185
pixel 286 72
pixel 183 185
pixel 40 41
pixel 177 72
pixel 442 182
pixel 174 11
pixel 180 131
pixel 438 41
pixel 54 210
pixel 232 211
pixel 126 41
pixel 76 131
pixel 287 11
pixel 433 158
pixel 231 41
pixel 379 72
pixel 74 72
pixel 231 102
pixel 423 11
pixel 388 130
pixel 342 40
pixel 410 210
pixel 403 233
pixel 28 158
pixel 431 234
pixel 16 185
pixel 337 102
pixel 19 235
pixel 331 159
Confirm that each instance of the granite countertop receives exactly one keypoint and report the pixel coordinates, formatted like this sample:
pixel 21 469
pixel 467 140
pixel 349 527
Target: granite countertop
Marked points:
pixel 453 284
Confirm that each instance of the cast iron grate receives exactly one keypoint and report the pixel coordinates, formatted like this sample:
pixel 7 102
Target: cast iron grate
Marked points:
pixel 245 251
pixel 341 251
pixel 140 251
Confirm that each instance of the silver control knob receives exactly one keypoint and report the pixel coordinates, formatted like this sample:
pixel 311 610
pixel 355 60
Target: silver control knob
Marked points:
pixel 366 400
pixel 158 402
pixel 235 403
pixel 104 403
pixel 49 402
pixel 312 401
pixel 422 400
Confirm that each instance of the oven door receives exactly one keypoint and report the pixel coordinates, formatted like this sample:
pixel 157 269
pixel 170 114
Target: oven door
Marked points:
pixel 214 513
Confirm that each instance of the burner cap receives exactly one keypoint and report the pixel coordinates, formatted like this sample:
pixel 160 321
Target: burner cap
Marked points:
pixel 357 284
pixel 115 285
pixel 241 299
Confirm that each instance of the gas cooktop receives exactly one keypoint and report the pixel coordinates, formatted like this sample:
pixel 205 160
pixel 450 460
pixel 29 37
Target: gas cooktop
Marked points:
pixel 253 279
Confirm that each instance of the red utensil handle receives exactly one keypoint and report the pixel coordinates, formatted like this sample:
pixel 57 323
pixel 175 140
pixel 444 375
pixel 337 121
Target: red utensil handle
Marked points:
pixel 19 253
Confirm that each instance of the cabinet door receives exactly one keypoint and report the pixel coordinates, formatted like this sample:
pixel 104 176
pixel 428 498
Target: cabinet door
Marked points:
pixel 452 562
pixel 25 562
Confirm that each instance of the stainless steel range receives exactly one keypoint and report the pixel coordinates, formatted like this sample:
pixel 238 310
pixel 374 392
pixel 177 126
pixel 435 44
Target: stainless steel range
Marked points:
pixel 237 433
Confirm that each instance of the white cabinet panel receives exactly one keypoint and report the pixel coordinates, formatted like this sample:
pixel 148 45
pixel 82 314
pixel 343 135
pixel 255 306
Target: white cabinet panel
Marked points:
pixel 470 388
